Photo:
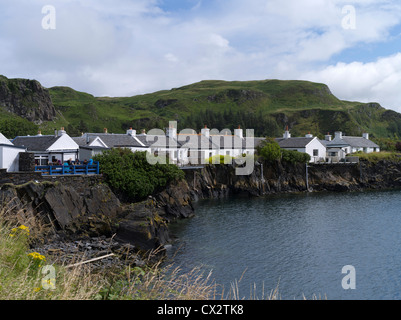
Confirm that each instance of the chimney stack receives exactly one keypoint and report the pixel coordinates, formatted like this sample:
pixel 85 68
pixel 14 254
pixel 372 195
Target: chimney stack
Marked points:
pixel 205 132
pixel 338 134
pixel 61 132
pixel 287 133
pixel 131 132
pixel 328 136
pixel 39 133
pixel 365 135
pixel 171 131
pixel 239 132
pixel 105 130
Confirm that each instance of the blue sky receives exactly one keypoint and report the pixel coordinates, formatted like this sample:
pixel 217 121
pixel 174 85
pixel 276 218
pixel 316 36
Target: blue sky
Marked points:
pixel 129 47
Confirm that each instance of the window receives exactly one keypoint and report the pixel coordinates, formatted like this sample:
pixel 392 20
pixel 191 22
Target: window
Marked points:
pixel 41 160
pixel 315 152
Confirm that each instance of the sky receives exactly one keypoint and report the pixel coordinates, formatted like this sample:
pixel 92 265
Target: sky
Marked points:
pixel 129 47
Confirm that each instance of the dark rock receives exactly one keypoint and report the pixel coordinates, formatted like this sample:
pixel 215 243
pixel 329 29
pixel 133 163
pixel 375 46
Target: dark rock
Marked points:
pixel 27 99
pixel 143 227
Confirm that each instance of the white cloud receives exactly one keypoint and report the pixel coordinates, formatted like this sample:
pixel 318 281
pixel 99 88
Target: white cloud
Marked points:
pixel 377 81
pixel 127 47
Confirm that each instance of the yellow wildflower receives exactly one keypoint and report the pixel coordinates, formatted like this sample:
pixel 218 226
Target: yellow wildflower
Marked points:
pixel 37 258
pixel 20 230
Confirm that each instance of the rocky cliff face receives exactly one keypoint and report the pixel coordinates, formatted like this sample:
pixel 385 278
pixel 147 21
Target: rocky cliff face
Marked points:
pixel 220 181
pixel 85 208
pixel 27 99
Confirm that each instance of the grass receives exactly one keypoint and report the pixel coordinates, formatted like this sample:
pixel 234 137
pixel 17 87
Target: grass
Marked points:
pixel 23 277
pixel 309 106
pixel 26 275
pixel 375 157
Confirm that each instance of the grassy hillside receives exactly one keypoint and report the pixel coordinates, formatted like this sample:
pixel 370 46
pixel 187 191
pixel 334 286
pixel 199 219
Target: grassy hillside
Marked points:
pixel 266 106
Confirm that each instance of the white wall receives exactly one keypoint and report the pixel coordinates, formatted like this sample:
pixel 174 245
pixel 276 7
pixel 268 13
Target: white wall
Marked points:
pixel 65 142
pixel 316 144
pixel 9 158
pixel 366 150
pixel 98 143
pixel 4 140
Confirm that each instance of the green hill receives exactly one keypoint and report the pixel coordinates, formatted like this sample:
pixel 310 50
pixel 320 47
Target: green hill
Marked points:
pixel 266 106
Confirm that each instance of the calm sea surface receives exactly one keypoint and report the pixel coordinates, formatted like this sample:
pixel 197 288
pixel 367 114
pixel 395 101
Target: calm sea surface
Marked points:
pixel 299 243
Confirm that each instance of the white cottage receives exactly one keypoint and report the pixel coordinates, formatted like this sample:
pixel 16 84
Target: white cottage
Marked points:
pixel 91 144
pixel 308 144
pixel 9 154
pixel 59 147
pixel 349 144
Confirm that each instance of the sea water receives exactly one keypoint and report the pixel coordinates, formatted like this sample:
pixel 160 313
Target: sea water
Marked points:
pixel 298 244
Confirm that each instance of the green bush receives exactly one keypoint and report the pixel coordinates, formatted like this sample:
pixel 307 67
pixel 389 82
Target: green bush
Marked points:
pixel 295 156
pixel 131 174
pixel 270 150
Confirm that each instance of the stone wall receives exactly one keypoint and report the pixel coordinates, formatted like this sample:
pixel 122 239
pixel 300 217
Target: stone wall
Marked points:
pixel 79 182
pixel 26 161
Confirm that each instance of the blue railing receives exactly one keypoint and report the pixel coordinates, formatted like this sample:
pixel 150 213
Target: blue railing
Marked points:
pixel 68 170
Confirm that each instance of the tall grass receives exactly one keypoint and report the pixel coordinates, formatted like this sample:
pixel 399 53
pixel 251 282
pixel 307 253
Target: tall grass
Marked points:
pixel 22 276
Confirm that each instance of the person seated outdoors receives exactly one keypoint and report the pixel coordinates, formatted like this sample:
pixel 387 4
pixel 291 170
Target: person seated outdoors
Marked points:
pixel 85 162
pixel 90 162
pixel 66 166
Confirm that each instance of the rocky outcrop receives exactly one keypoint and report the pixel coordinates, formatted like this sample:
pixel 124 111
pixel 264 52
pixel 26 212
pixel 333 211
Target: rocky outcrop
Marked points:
pixel 61 209
pixel 216 181
pixel 83 209
pixel 27 99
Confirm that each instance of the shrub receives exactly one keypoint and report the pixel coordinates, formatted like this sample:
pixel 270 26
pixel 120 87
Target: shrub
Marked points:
pixel 375 157
pixel 295 156
pixel 270 150
pixel 131 174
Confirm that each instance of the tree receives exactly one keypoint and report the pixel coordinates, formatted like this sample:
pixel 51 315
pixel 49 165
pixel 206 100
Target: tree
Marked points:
pixel 17 127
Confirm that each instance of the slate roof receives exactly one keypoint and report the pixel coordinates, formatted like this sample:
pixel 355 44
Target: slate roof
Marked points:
pixel 191 141
pixel 355 142
pixel 35 143
pixel 360 142
pixel 156 141
pixel 112 140
pixel 297 142
pixel 196 141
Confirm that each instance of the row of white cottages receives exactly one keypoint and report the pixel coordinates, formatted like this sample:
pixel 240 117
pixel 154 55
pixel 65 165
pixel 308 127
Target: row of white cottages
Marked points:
pixel 329 149
pixel 186 147
pixel 182 148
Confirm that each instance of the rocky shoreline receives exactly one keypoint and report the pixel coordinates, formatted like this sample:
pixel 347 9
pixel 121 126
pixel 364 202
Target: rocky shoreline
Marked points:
pixel 84 219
